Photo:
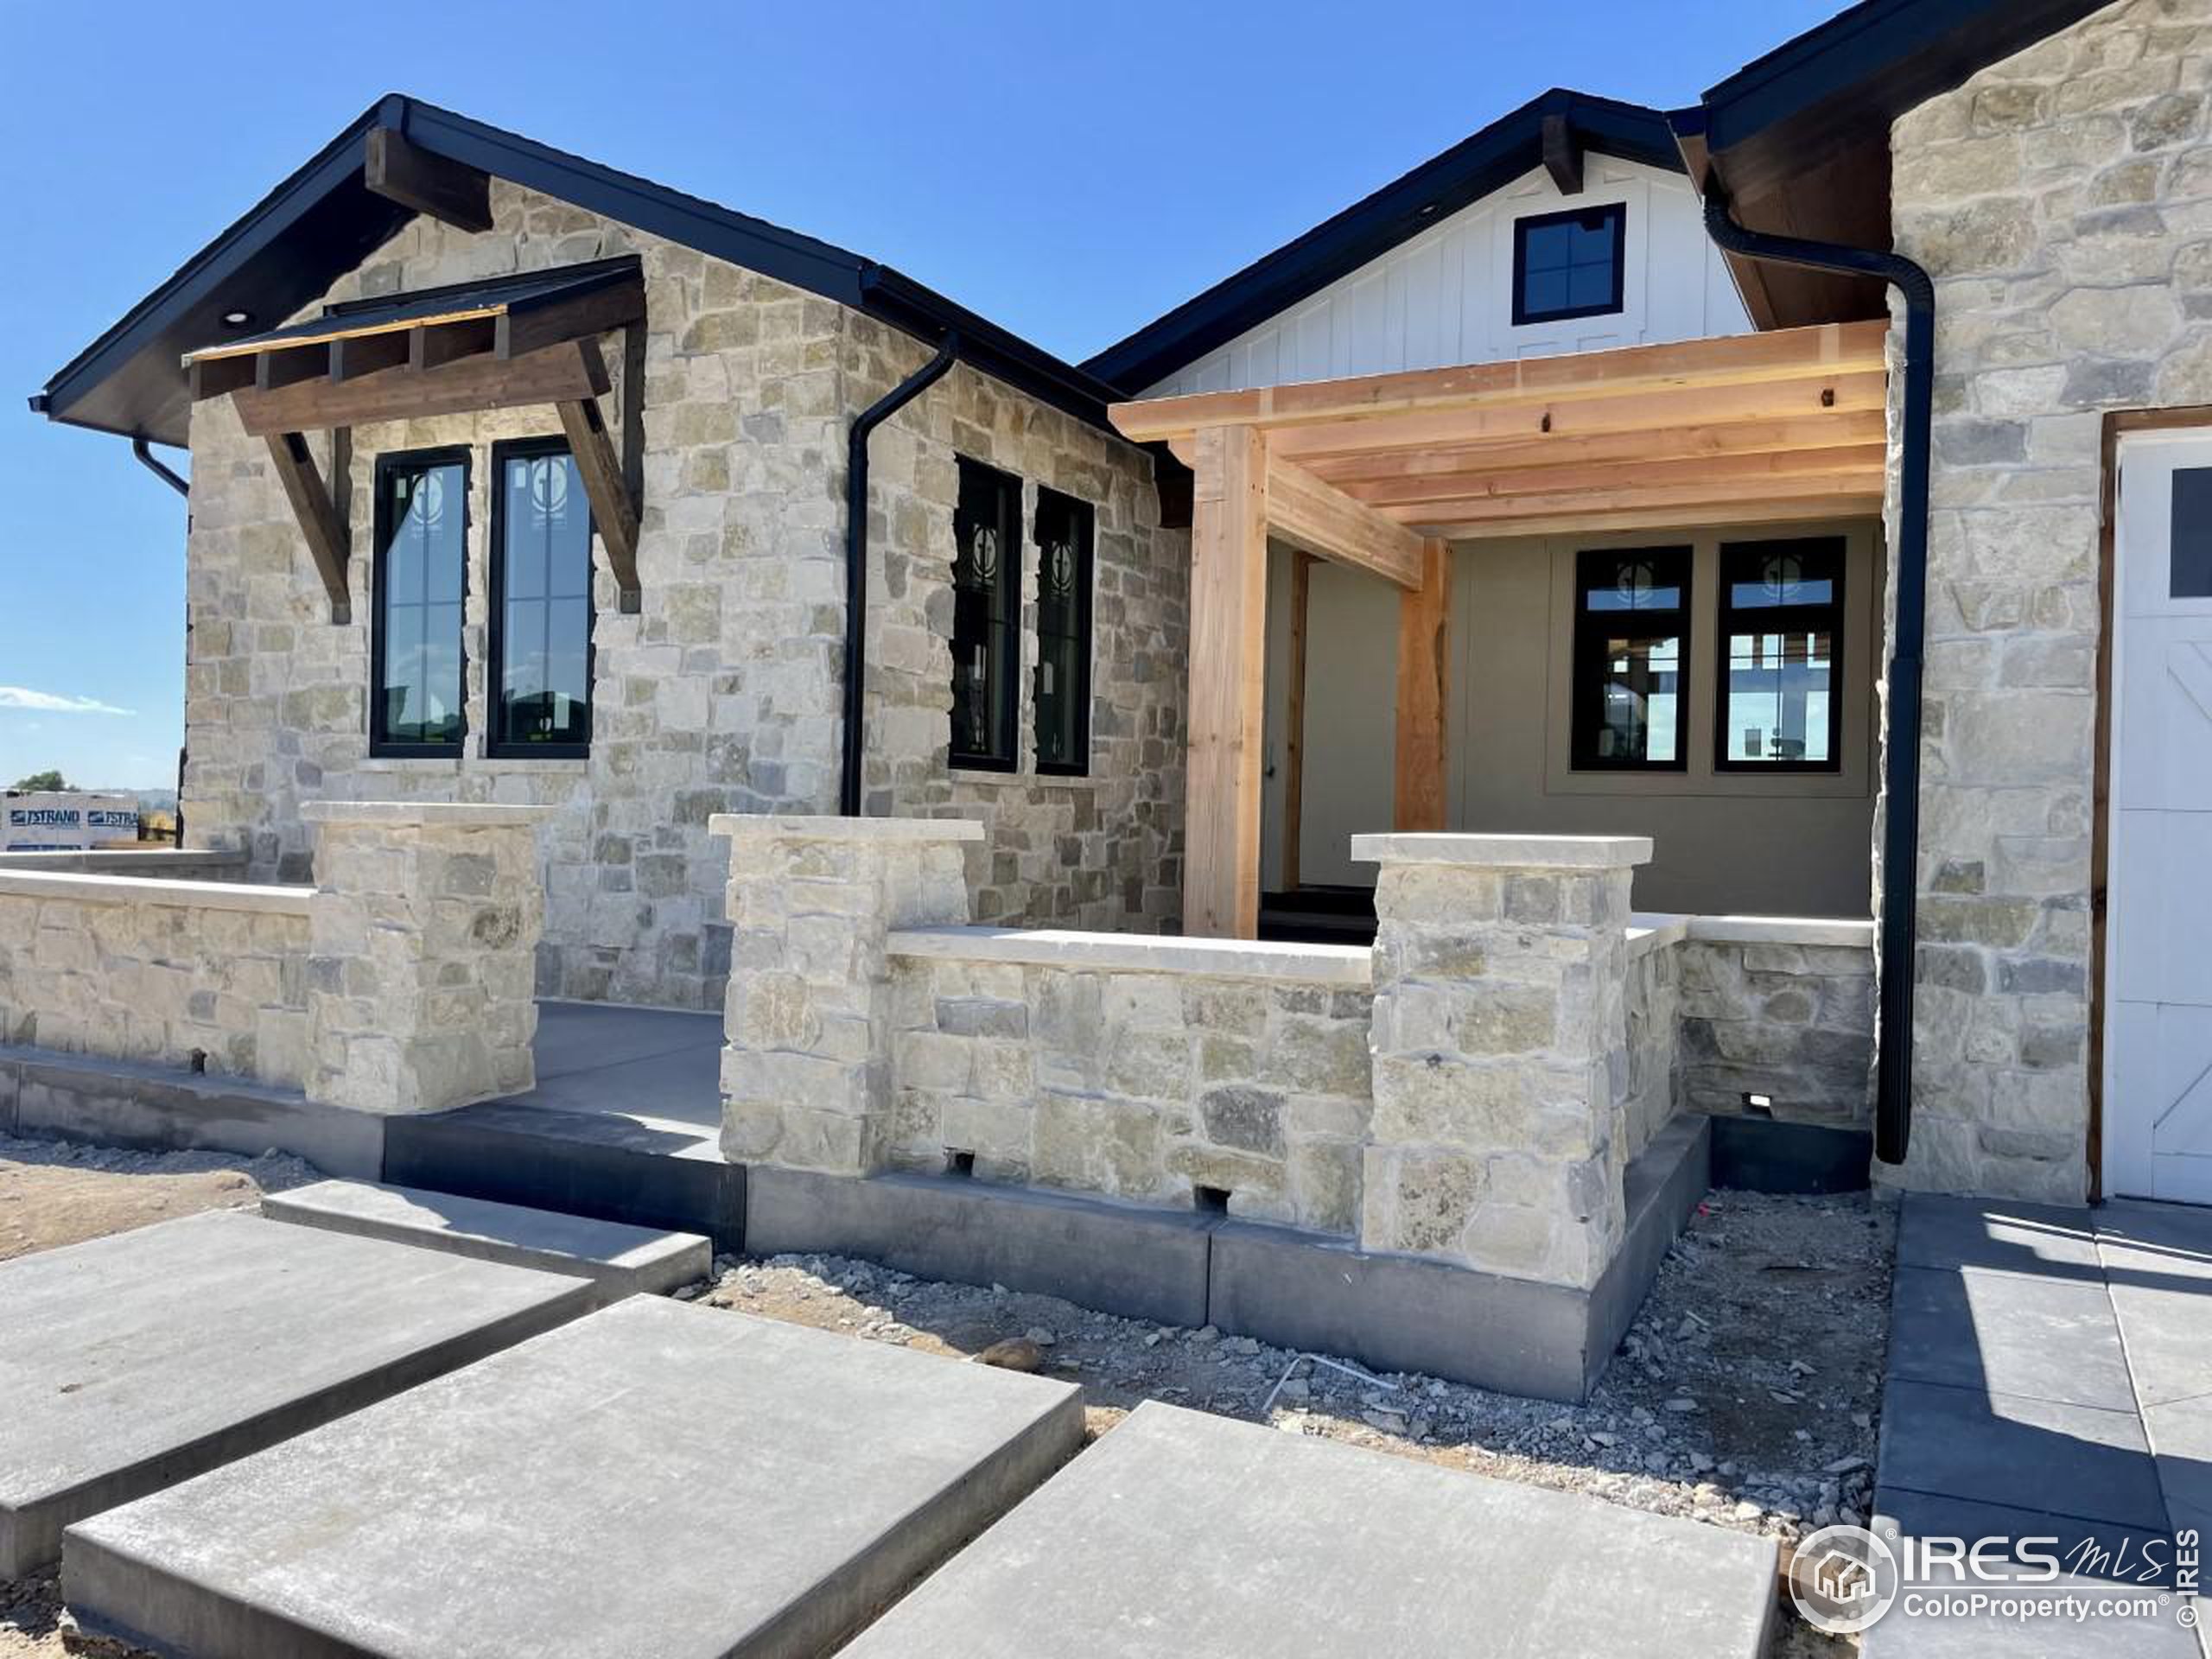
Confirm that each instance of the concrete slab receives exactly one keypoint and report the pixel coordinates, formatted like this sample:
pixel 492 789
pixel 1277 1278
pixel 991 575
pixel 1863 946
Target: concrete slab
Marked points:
pixel 131 1363
pixel 1127 1259
pixel 1181 1534
pixel 1406 1313
pixel 2155 1244
pixel 622 1260
pixel 656 1479
pixel 2100 1564
pixel 653 1065
pixel 2004 1449
pixel 2049 1241
pixel 603 1165
pixel 2009 1333
pixel 48 1095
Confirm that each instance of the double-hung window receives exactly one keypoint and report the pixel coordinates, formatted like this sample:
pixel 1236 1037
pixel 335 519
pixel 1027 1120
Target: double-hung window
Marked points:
pixel 421 575
pixel 1064 527
pixel 1631 659
pixel 541 601
pixel 986 618
pixel 1781 625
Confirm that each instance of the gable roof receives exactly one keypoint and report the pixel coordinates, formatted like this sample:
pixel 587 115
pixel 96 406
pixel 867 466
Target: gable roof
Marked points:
pixel 1467 171
pixel 323 220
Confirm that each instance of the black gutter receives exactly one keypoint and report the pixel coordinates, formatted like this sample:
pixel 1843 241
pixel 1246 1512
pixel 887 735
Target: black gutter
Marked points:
pixel 139 447
pixel 1901 757
pixel 849 783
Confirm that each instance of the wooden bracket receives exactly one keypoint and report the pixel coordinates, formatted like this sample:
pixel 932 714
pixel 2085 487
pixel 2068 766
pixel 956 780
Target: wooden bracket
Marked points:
pixel 1562 155
pixel 319 520
pixel 613 510
pixel 401 171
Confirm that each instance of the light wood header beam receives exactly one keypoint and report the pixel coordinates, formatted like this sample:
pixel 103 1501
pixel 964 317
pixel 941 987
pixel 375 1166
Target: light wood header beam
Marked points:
pixel 1228 602
pixel 1316 516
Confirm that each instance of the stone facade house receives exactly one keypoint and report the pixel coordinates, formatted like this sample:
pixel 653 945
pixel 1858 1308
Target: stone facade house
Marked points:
pixel 1801 498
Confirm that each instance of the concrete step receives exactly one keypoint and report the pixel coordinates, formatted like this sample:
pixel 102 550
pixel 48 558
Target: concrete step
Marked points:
pixel 623 1260
pixel 656 1479
pixel 1181 1534
pixel 131 1363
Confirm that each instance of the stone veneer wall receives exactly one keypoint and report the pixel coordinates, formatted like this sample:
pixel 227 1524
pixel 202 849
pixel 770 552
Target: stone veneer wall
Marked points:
pixel 1791 1018
pixel 1139 1069
pixel 2063 201
pixel 1652 1092
pixel 722 695
pixel 157 971
pixel 1102 851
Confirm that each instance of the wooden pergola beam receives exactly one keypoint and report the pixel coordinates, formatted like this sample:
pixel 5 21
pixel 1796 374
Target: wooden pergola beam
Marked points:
pixel 1226 717
pixel 399 170
pixel 1791 354
pixel 1710 515
pixel 1424 694
pixel 613 511
pixel 1396 498
pixel 1795 434
pixel 1316 516
pixel 319 521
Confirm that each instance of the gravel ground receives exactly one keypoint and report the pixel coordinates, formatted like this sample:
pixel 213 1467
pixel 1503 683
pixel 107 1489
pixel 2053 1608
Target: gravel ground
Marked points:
pixel 52 1195
pixel 1745 1395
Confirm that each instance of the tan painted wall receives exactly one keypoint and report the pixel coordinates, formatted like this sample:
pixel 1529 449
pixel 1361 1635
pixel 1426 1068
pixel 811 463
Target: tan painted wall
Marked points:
pixel 1726 844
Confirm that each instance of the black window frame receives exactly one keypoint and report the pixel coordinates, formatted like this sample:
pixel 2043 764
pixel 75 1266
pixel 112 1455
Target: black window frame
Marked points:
pixel 496 746
pixel 1006 681
pixel 1586 661
pixel 380 747
pixel 1614 212
pixel 1085 518
pixel 1828 615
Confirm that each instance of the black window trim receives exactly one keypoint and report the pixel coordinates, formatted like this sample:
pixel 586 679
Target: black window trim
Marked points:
pixel 1582 754
pixel 1086 518
pixel 504 450
pixel 1010 680
pixel 462 456
pixel 1615 211
pixel 1830 614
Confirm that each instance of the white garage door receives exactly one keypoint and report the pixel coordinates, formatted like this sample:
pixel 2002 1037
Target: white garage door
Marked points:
pixel 2158 939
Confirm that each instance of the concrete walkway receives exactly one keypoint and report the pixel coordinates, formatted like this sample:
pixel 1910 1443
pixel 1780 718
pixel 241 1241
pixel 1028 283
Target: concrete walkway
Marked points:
pixel 2049 1376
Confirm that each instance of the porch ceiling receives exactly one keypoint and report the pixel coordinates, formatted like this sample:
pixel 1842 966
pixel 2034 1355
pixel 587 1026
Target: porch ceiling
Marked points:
pixel 1783 424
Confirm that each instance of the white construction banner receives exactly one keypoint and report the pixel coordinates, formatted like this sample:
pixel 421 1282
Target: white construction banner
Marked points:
pixel 65 821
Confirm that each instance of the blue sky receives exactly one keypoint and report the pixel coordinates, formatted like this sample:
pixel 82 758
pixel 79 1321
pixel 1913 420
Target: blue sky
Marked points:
pixel 1069 170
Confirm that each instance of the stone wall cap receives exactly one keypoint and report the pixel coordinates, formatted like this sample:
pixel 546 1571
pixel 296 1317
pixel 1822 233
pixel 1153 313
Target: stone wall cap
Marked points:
pixel 442 813
pixel 1506 852
pixel 1348 965
pixel 758 826
pixel 151 890
pixel 1650 929
pixel 1847 930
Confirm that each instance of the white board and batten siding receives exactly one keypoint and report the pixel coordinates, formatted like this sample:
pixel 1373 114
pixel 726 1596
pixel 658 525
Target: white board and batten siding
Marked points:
pixel 1445 296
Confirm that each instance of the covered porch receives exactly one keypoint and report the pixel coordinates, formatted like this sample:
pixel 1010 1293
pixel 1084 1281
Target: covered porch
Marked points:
pixel 1399 477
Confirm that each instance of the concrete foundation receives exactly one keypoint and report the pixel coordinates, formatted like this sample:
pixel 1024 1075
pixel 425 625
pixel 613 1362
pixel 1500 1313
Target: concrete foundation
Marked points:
pixel 656 1478
pixel 1187 1534
pixel 131 1363
pixel 621 1260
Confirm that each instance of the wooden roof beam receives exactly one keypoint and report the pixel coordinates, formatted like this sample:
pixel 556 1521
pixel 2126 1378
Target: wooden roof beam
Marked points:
pixel 399 170
pixel 1788 436
pixel 1675 503
pixel 321 523
pixel 1723 473
pixel 614 512
pixel 1316 516
pixel 1562 155
pixel 557 374
pixel 1793 354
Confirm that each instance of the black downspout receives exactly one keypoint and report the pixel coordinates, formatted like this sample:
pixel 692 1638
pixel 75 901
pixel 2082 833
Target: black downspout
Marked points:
pixel 139 449
pixel 849 786
pixel 1901 760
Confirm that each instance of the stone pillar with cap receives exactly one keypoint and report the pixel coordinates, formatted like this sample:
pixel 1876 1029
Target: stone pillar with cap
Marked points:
pixel 421 954
pixel 1500 1051
pixel 806 1070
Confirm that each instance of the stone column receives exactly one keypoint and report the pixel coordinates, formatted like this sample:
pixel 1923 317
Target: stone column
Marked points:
pixel 1500 1051
pixel 421 954
pixel 806 1074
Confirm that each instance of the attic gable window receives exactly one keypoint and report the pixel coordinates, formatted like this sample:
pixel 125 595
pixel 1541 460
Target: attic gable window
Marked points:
pixel 1570 264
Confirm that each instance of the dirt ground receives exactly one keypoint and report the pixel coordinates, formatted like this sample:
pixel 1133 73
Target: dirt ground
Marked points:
pixel 1745 1395
pixel 52 1195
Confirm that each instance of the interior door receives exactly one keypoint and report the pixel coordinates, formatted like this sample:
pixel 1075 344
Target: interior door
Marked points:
pixel 2157 1109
